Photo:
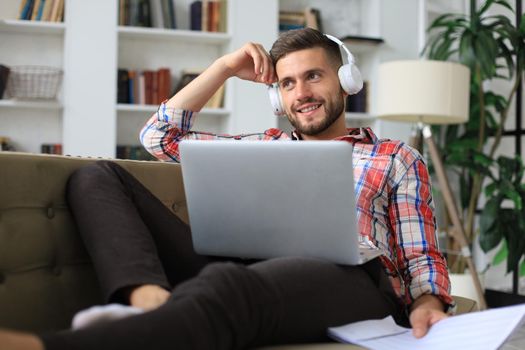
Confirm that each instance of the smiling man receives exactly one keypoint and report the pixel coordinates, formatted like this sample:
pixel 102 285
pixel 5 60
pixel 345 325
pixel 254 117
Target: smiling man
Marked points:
pixel 195 302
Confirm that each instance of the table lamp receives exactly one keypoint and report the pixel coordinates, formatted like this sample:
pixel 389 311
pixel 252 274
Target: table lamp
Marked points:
pixel 430 92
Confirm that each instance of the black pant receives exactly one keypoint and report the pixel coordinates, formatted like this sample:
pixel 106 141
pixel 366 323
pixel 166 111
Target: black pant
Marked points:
pixel 134 239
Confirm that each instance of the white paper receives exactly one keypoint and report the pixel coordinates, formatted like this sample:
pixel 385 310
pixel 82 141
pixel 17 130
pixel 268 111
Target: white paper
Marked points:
pixel 486 330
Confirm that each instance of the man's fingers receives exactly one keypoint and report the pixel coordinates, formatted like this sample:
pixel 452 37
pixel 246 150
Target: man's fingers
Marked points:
pixel 263 67
pixel 421 320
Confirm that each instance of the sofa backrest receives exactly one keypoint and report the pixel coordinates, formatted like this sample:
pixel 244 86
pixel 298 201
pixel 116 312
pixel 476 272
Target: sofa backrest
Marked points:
pixel 45 273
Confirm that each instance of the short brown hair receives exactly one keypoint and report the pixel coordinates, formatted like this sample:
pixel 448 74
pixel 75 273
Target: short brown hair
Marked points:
pixel 305 38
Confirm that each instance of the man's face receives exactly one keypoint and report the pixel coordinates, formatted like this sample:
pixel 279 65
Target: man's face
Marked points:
pixel 309 86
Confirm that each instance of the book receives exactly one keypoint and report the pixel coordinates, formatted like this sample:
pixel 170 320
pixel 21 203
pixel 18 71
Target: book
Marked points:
pixel 166 16
pixel 4 76
pixel 157 19
pixel 217 100
pixel 164 85
pixel 196 15
pixel 171 9
pixel 36 8
pixel 358 103
pixel 46 15
pixel 476 330
pixel 55 11
pixel 25 9
pixel 132 81
pixel 122 86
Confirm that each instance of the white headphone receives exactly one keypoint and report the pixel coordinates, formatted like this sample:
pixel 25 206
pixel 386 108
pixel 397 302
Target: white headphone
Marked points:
pixel 349 78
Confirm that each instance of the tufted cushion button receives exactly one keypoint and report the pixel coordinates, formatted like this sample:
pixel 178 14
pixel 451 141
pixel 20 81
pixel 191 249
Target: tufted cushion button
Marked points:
pixel 175 207
pixel 57 270
pixel 2 278
pixel 50 212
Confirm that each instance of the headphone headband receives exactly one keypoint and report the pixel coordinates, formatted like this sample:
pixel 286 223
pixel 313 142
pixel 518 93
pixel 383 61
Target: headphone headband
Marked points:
pixel 342 46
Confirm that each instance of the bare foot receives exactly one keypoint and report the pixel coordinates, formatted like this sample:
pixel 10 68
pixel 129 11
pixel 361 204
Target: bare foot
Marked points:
pixel 11 340
pixel 148 297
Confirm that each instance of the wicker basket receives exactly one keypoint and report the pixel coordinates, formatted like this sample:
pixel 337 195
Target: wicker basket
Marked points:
pixel 34 82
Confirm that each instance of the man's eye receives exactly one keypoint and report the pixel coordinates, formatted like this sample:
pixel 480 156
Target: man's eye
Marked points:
pixel 286 84
pixel 314 76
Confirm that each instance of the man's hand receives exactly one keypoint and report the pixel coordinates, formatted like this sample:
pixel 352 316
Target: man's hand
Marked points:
pixel 426 311
pixel 148 297
pixel 251 62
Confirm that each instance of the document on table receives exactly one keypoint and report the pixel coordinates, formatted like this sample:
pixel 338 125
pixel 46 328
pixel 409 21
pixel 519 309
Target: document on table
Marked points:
pixel 477 330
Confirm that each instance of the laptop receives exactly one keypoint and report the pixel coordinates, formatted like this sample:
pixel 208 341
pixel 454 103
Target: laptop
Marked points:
pixel 261 200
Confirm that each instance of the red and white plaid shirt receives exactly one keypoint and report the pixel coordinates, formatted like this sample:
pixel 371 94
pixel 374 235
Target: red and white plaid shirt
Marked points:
pixel 395 210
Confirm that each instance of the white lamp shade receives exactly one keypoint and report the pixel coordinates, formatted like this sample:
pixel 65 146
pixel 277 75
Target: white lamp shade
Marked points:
pixel 433 92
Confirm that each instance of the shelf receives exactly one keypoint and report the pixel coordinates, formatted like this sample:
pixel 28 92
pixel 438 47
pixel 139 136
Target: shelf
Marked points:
pixel 31 104
pixel 358 44
pixel 180 35
pixel 122 107
pixel 32 27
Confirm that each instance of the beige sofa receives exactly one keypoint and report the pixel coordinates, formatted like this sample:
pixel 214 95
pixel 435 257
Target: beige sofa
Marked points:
pixel 45 273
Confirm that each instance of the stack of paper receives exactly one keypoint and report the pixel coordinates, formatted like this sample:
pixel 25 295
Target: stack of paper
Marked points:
pixel 478 330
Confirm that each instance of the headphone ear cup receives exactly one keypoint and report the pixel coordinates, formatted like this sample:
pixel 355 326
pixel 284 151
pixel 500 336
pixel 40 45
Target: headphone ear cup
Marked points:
pixel 275 100
pixel 350 78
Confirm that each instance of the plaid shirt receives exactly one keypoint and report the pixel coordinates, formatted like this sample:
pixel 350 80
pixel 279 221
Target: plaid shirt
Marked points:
pixel 395 210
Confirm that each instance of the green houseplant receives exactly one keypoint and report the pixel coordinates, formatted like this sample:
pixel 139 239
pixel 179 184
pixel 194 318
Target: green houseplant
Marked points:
pixel 492 47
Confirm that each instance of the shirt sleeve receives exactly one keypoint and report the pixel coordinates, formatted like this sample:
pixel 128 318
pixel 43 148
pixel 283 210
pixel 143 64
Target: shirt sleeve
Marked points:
pixel 166 128
pixel 420 262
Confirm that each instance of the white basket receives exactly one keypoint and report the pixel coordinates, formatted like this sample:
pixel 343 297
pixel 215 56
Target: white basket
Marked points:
pixel 34 82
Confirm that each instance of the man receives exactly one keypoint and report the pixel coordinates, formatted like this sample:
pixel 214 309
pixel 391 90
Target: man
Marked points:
pixel 144 257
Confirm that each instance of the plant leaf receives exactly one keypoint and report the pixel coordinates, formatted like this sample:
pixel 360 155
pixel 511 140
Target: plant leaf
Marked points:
pixel 501 255
pixel 489 231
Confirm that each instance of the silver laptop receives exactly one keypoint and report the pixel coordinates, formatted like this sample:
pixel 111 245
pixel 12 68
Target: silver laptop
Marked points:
pixel 260 199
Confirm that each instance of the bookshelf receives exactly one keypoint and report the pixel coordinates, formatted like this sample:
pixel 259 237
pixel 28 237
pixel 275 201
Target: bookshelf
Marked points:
pixel 91 45
pixel 29 124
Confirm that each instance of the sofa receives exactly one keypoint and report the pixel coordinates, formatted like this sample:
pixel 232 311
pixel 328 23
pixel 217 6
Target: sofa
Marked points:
pixel 46 275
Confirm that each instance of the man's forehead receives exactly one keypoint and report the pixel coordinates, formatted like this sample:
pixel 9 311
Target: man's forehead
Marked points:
pixel 301 60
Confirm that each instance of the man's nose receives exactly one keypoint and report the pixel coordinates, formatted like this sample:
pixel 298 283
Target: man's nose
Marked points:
pixel 302 90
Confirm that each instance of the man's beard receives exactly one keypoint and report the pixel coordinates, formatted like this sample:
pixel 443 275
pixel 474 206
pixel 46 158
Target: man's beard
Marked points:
pixel 333 109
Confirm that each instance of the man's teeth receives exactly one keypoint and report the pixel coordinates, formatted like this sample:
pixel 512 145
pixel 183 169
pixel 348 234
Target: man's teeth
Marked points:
pixel 308 109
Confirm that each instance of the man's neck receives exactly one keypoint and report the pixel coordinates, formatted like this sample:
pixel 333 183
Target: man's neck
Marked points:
pixel 337 129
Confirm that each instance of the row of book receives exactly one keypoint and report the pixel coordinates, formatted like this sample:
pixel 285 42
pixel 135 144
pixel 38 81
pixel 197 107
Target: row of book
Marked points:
pixel 42 10
pixel 308 18
pixel 205 15
pixel 208 15
pixel 148 13
pixel 51 148
pixel 150 87
pixel 147 87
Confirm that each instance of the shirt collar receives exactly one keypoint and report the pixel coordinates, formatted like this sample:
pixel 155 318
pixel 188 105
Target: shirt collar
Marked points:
pixel 365 135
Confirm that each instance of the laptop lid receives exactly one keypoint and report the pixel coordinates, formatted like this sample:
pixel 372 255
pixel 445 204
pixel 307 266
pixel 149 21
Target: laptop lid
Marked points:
pixel 254 199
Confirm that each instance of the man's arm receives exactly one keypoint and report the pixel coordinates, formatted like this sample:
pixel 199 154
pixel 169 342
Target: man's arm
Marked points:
pixel 250 62
pixel 174 119
pixel 419 260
